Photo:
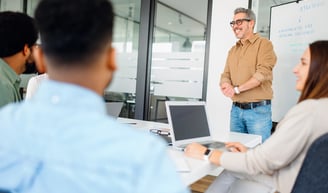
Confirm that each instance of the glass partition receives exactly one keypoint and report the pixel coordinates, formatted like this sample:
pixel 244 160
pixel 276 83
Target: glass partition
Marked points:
pixel 30 6
pixel 11 5
pixel 125 42
pixel 178 54
pixel 175 66
pixel 262 11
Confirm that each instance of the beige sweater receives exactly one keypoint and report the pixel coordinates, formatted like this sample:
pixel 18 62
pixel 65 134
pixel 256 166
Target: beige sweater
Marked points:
pixel 282 155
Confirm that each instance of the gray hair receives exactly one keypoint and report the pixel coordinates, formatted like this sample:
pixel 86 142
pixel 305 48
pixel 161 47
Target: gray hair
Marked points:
pixel 249 13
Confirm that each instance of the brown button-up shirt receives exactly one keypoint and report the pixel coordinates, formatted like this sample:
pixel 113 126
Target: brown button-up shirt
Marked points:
pixel 254 57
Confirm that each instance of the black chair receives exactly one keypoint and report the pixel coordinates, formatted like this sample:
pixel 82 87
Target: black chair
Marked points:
pixel 313 176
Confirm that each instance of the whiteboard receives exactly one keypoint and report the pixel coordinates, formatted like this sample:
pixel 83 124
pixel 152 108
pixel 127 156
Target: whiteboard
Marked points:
pixel 292 27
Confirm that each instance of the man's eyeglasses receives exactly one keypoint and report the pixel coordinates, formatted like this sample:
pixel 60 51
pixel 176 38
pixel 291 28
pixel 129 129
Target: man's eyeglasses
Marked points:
pixel 238 22
pixel 35 46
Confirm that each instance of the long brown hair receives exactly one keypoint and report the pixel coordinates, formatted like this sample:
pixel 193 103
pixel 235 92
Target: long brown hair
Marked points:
pixel 316 85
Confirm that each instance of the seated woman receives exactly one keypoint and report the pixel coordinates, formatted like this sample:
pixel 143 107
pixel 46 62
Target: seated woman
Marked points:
pixel 278 160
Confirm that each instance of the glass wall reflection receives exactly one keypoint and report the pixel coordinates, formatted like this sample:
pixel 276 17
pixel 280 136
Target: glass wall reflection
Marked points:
pixel 178 54
pixel 11 5
pixel 125 42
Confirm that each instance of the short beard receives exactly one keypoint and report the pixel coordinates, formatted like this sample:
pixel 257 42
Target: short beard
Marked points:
pixel 30 68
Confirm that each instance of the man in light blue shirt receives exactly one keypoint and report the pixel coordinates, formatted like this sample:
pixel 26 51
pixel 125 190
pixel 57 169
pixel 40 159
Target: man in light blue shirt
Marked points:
pixel 62 140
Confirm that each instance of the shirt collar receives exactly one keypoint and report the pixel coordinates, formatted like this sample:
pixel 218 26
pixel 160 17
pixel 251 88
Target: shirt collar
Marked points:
pixel 250 40
pixel 70 95
pixel 7 71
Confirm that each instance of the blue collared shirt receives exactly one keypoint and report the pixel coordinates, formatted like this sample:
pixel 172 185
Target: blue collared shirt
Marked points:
pixel 62 141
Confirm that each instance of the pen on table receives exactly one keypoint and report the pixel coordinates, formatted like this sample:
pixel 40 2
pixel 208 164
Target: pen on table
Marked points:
pixel 133 123
pixel 179 148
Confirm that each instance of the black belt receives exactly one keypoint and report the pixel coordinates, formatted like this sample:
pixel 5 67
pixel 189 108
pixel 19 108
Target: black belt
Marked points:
pixel 252 104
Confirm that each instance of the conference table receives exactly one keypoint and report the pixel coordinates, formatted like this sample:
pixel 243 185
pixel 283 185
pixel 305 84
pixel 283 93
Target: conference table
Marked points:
pixel 191 169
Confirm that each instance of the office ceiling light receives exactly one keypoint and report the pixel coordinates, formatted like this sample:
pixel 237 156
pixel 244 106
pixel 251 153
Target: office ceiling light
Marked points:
pixel 130 12
pixel 180 19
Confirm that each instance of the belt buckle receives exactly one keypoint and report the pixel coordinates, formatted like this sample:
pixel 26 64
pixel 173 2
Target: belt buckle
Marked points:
pixel 245 105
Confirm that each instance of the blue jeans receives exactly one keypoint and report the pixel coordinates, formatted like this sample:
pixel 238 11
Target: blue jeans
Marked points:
pixel 253 121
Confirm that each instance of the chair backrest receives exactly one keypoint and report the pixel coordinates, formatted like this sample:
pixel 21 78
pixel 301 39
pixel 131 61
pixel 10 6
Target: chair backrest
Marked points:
pixel 313 176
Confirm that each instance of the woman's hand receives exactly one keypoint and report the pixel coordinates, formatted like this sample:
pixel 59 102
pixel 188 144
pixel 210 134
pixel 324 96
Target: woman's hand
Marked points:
pixel 236 147
pixel 195 150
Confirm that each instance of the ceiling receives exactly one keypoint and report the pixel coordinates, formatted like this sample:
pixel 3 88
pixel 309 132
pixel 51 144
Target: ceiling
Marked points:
pixel 187 18
pixel 172 17
pixel 194 8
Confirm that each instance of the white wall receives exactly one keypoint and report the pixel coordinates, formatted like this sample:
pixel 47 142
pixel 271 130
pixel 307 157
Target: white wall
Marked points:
pixel 222 39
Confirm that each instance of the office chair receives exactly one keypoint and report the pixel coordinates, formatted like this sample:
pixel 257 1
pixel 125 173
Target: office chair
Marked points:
pixel 313 176
pixel 246 186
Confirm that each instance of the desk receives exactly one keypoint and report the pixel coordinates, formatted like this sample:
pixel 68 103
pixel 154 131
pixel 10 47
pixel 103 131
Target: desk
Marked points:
pixel 198 168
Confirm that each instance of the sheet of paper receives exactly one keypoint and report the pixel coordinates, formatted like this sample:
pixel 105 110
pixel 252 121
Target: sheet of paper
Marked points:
pixel 180 162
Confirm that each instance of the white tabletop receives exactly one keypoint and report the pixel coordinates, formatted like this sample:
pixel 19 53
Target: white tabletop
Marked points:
pixel 197 168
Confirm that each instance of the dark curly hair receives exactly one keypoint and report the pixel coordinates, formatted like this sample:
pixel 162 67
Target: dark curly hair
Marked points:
pixel 16 30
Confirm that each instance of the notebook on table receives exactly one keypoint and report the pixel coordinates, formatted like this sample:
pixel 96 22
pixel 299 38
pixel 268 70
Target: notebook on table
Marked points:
pixel 114 108
pixel 188 123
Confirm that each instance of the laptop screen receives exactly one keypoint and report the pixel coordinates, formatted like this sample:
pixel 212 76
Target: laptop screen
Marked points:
pixel 114 108
pixel 189 121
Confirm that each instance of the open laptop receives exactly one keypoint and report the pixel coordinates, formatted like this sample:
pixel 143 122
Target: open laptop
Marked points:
pixel 188 123
pixel 114 108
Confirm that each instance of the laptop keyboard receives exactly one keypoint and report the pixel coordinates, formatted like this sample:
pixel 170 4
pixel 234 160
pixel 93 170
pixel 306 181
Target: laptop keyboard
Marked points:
pixel 214 145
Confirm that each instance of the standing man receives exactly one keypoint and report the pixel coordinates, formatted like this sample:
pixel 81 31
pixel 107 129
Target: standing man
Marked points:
pixel 62 140
pixel 18 35
pixel 247 77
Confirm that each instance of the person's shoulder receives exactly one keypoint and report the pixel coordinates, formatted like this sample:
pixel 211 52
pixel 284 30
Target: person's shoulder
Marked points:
pixel 140 143
pixel 38 78
pixel 234 46
pixel 309 106
pixel 7 91
pixel 137 137
pixel 8 113
pixel 313 102
pixel 42 76
pixel 4 81
pixel 315 110
pixel 262 39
